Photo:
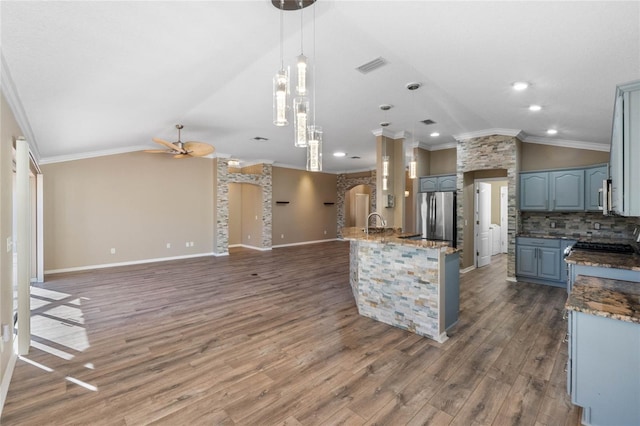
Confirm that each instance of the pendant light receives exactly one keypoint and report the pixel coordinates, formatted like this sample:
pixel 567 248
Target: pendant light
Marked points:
pixel 314 145
pixel 301 102
pixel 281 83
pixel 413 163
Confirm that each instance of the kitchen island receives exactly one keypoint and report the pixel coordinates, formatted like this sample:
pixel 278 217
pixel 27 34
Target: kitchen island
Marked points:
pixel 406 283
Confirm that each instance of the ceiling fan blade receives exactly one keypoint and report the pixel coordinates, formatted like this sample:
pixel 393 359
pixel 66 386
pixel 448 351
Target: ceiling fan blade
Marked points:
pixel 181 156
pixel 198 149
pixel 156 151
pixel 167 144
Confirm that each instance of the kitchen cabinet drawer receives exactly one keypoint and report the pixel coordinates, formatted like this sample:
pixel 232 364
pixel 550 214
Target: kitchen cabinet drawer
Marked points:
pixel 539 242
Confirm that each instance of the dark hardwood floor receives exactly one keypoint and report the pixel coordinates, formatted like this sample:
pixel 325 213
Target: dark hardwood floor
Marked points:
pixel 274 338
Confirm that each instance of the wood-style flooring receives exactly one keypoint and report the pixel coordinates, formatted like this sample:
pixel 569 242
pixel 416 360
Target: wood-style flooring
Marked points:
pixel 274 338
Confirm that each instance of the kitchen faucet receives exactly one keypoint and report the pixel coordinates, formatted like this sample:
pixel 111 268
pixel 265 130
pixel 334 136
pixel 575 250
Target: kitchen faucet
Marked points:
pixel 384 223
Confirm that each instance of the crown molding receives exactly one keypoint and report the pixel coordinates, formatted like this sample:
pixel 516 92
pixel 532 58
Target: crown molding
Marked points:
pixel 11 95
pixel 441 146
pixel 93 154
pixel 593 146
pixel 489 132
pixel 401 134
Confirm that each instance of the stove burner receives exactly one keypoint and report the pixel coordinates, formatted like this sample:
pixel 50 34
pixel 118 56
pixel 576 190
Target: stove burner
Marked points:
pixel 605 247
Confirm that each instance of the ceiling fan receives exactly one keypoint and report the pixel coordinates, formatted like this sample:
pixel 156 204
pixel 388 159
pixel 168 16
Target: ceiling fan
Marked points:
pixel 181 149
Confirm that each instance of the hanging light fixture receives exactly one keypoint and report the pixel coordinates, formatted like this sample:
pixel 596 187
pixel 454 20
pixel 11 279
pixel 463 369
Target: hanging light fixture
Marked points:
pixel 314 145
pixel 301 103
pixel 281 82
pixel 413 163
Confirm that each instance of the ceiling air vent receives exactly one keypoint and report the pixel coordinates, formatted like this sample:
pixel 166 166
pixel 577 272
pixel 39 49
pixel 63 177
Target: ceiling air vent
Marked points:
pixel 372 65
pixel 428 121
pixel 260 138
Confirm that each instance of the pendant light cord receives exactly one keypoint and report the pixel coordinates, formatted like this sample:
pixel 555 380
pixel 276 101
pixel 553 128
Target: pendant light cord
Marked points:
pixel 281 35
pixel 315 75
pixel 301 32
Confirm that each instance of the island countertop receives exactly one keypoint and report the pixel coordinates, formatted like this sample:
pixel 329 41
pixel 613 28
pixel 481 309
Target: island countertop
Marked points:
pixel 394 236
pixel 605 297
pixel 604 260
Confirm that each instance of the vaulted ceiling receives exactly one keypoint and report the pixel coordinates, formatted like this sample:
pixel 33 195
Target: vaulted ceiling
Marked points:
pixel 91 78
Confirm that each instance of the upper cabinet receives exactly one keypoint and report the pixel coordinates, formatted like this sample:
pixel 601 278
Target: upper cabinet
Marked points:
pixel 570 190
pixel 625 151
pixel 566 189
pixel 593 183
pixel 438 183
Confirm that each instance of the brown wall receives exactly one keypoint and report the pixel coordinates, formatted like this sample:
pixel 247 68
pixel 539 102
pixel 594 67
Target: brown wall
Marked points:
pixel 443 161
pixel 135 203
pixel 305 218
pixel 541 157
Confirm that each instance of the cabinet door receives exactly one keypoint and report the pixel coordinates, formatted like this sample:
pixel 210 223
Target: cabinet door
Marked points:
pixel 527 261
pixel 549 263
pixel 567 190
pixel 593 178
pixel 447 183
pixel 428 184
pixel 534 191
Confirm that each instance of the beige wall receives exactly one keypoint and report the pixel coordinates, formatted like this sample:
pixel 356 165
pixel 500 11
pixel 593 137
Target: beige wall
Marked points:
pixel 394 148
pixel 495 199
pixel 135 203
pixel 443 161
pixel 251 215
pixel 305 218
pixel 9 131
pixel 541 157
pixel 235 213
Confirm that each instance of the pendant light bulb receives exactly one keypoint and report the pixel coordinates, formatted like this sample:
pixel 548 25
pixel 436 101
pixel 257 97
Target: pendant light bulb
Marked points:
pixel 385 184
pixel 301 118
pixel 280 94
pixel 301 88
pixel 314 149
pixel 385 166
pixel 412 168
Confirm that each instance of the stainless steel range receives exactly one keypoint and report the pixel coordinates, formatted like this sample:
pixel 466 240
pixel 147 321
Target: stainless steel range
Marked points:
pixel 604 247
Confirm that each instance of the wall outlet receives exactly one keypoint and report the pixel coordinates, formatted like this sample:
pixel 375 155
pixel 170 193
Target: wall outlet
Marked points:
pixel 281 235
pixel 596 225
pixel 186 244
pixel 325 232
pixel 168 245
pixel 113 250
pixel 552 224
pixel 248 237
pixel 9 244
pixel 190 243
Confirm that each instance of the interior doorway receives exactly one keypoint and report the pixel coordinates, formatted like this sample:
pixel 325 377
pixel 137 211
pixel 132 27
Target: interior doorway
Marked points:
pixel 491 239
pixel 357 205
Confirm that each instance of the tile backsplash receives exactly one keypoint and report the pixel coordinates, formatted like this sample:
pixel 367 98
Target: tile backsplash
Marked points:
pixel 579 225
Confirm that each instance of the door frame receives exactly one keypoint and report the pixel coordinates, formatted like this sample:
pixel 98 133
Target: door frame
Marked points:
pixel 475 209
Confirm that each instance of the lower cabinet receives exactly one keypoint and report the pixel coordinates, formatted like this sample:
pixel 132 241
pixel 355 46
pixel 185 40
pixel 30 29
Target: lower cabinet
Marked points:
pixel 603 372
pixel 541 260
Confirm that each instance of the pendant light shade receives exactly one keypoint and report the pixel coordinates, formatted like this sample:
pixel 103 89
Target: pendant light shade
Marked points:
pixel 385 183
pixel 314 149
pixel 385 166
pixel 300 121
pixel 280 97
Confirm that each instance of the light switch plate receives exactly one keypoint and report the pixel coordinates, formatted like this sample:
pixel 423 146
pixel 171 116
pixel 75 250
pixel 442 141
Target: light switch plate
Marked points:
pixel 9 244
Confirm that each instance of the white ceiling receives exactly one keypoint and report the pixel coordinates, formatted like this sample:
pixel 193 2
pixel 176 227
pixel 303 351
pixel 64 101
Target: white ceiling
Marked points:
pixel 93 78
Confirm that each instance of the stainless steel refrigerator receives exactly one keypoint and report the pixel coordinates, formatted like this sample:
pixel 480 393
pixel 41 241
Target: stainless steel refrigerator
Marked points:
pixel 437 216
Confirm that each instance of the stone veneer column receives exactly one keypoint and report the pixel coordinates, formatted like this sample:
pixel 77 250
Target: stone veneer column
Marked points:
pixel 490 153
pixel 222 207
pixel 267 206
pixel 345 183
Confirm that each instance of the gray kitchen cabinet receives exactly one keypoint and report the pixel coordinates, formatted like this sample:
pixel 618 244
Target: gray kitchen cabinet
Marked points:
pixel 438 183
pixel 534 191
pixel 603 372
pixel 566 190
pixel 593 183
pixel 540 260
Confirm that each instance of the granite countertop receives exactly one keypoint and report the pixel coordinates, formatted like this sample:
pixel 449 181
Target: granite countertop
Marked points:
pixel 394 236
pixel 604 260
pixel 605 297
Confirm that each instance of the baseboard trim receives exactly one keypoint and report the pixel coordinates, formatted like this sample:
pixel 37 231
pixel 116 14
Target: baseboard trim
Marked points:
pixel 304 243
pixel 467 269
pixel 251 247
pixel 133 262
pixel 6 379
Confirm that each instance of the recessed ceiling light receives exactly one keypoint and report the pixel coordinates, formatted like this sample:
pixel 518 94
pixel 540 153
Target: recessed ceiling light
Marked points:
pixel 339 154
pixel 520 85
pixel 552 131
pixel 434 134
pixel 535 107
pixel 355 157
pixel 384 123
pixel 385 107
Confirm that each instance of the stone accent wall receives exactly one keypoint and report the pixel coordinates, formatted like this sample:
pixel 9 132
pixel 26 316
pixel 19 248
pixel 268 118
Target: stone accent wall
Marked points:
pixel 488 153
pixel 225 177
pixel 579 225
pixel 345 183
pixel 398 285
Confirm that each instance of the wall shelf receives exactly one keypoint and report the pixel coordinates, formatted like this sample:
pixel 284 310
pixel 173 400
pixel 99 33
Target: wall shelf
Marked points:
pixel 282 202
pixel 328 204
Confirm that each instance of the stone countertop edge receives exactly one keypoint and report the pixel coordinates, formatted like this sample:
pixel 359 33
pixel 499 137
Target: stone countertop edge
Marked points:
pixel 394 236
pixel 603 297
pixel 604 260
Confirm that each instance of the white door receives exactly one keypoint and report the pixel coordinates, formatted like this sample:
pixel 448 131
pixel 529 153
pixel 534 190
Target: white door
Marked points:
pixel 362 210
pixel 504 218
pixel 483 220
